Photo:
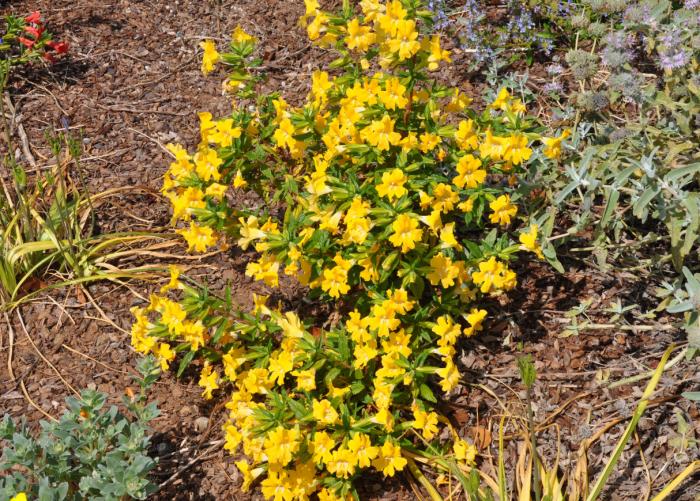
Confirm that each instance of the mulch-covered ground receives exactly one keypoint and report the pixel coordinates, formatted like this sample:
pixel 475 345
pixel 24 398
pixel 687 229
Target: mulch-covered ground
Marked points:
pixel 132 84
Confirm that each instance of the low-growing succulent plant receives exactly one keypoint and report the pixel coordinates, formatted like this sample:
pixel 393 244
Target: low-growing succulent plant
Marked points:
pixel 91 452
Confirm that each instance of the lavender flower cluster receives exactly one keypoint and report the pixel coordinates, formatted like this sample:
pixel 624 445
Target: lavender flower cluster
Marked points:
pixel 522 28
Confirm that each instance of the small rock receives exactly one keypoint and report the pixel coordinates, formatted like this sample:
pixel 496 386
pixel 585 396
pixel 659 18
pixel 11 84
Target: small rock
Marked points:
pixel 201 424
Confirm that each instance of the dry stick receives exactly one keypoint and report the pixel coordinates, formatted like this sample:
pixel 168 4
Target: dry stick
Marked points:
pixel 58 105
pixel 137 111
pixel 24 328
pixel 194 461
pixel 65 346
pixel 101 312
pixel 153 140
pixel 11 334
pixel 644 464
pixel 33 404
pixel 21 132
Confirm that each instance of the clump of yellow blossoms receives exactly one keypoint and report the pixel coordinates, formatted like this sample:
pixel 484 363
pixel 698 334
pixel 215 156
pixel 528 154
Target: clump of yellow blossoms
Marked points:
pixel 399 200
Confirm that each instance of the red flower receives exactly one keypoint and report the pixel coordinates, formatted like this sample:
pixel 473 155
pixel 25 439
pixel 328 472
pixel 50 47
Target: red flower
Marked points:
pixel 59 47
pixel 26 41
pixel 36 33
pixel 49 57
pixel 34 17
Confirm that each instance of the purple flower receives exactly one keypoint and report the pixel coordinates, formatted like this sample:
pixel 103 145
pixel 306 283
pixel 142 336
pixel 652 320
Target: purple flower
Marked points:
pixel 673 60
pixel 553 88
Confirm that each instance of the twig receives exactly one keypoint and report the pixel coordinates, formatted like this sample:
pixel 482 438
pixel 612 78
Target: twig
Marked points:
pixel 202 457
pixel 33 404
pixel 24 140
pixel 101 312
pixel 11 341
pixel 65 346
pixel 133 110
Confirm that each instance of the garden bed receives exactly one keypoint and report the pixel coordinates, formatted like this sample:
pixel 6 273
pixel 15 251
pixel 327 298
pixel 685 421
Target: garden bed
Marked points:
pixel 131 85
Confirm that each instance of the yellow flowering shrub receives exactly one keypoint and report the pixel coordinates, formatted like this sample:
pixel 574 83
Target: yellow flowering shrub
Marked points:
pixel 398 201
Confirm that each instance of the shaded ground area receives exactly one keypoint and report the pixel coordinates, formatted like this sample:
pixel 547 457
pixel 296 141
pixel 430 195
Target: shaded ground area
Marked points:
pixel 133 83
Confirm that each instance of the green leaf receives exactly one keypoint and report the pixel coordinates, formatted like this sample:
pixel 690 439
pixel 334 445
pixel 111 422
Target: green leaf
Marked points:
pixel 427 393
pixel 691 395
pixel 681 172
pixel 186 360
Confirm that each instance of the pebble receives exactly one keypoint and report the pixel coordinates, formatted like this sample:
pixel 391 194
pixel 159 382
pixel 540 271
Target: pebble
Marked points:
pixel 201 424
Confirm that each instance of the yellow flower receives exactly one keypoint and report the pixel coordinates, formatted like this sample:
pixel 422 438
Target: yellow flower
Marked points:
pixel 465 136
pixel 469 175
pixel 475 319
pixel 225 133
pixel 165 355
pixel 503 210
pixel 493 274
pixel 363 353
pixel 335 280
pixel 341 463
pixel 361 446
pixel 248 475
pixel 458 103
pixel 239 181
pixel 21 496
pixel 232 438
pixel 239 35
pixel 380 134
pixel 502 100
pixel 281 444
pixel 306 380
pixel 464 451
pixel 283 135
pixel 194 334
pixel 449 376
pixel 552 145
pixel 436 53
pixel 406 233
pixel 265 269
pixel 390 461
pixel 442 271
pixel 529 241
pixel 392 184
pixel 425 421
pixel 444 198
pixel 210 57
pixel 404 41
pixel 198 238
pixel 447 237
pixel 320 85
pixel 428 141
pixel 208 379
pixel 433 221
pixel 359 37
pixel 232 360
pixel 321 447
pixel 515 149
pixel 279 366
pixel 216 190
pixel 323 412
pixel 317 26
pixel 249 231
pixel 393 95
pixel 207 164
pixel 174 282
pixel 399 302
pixel 447 330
